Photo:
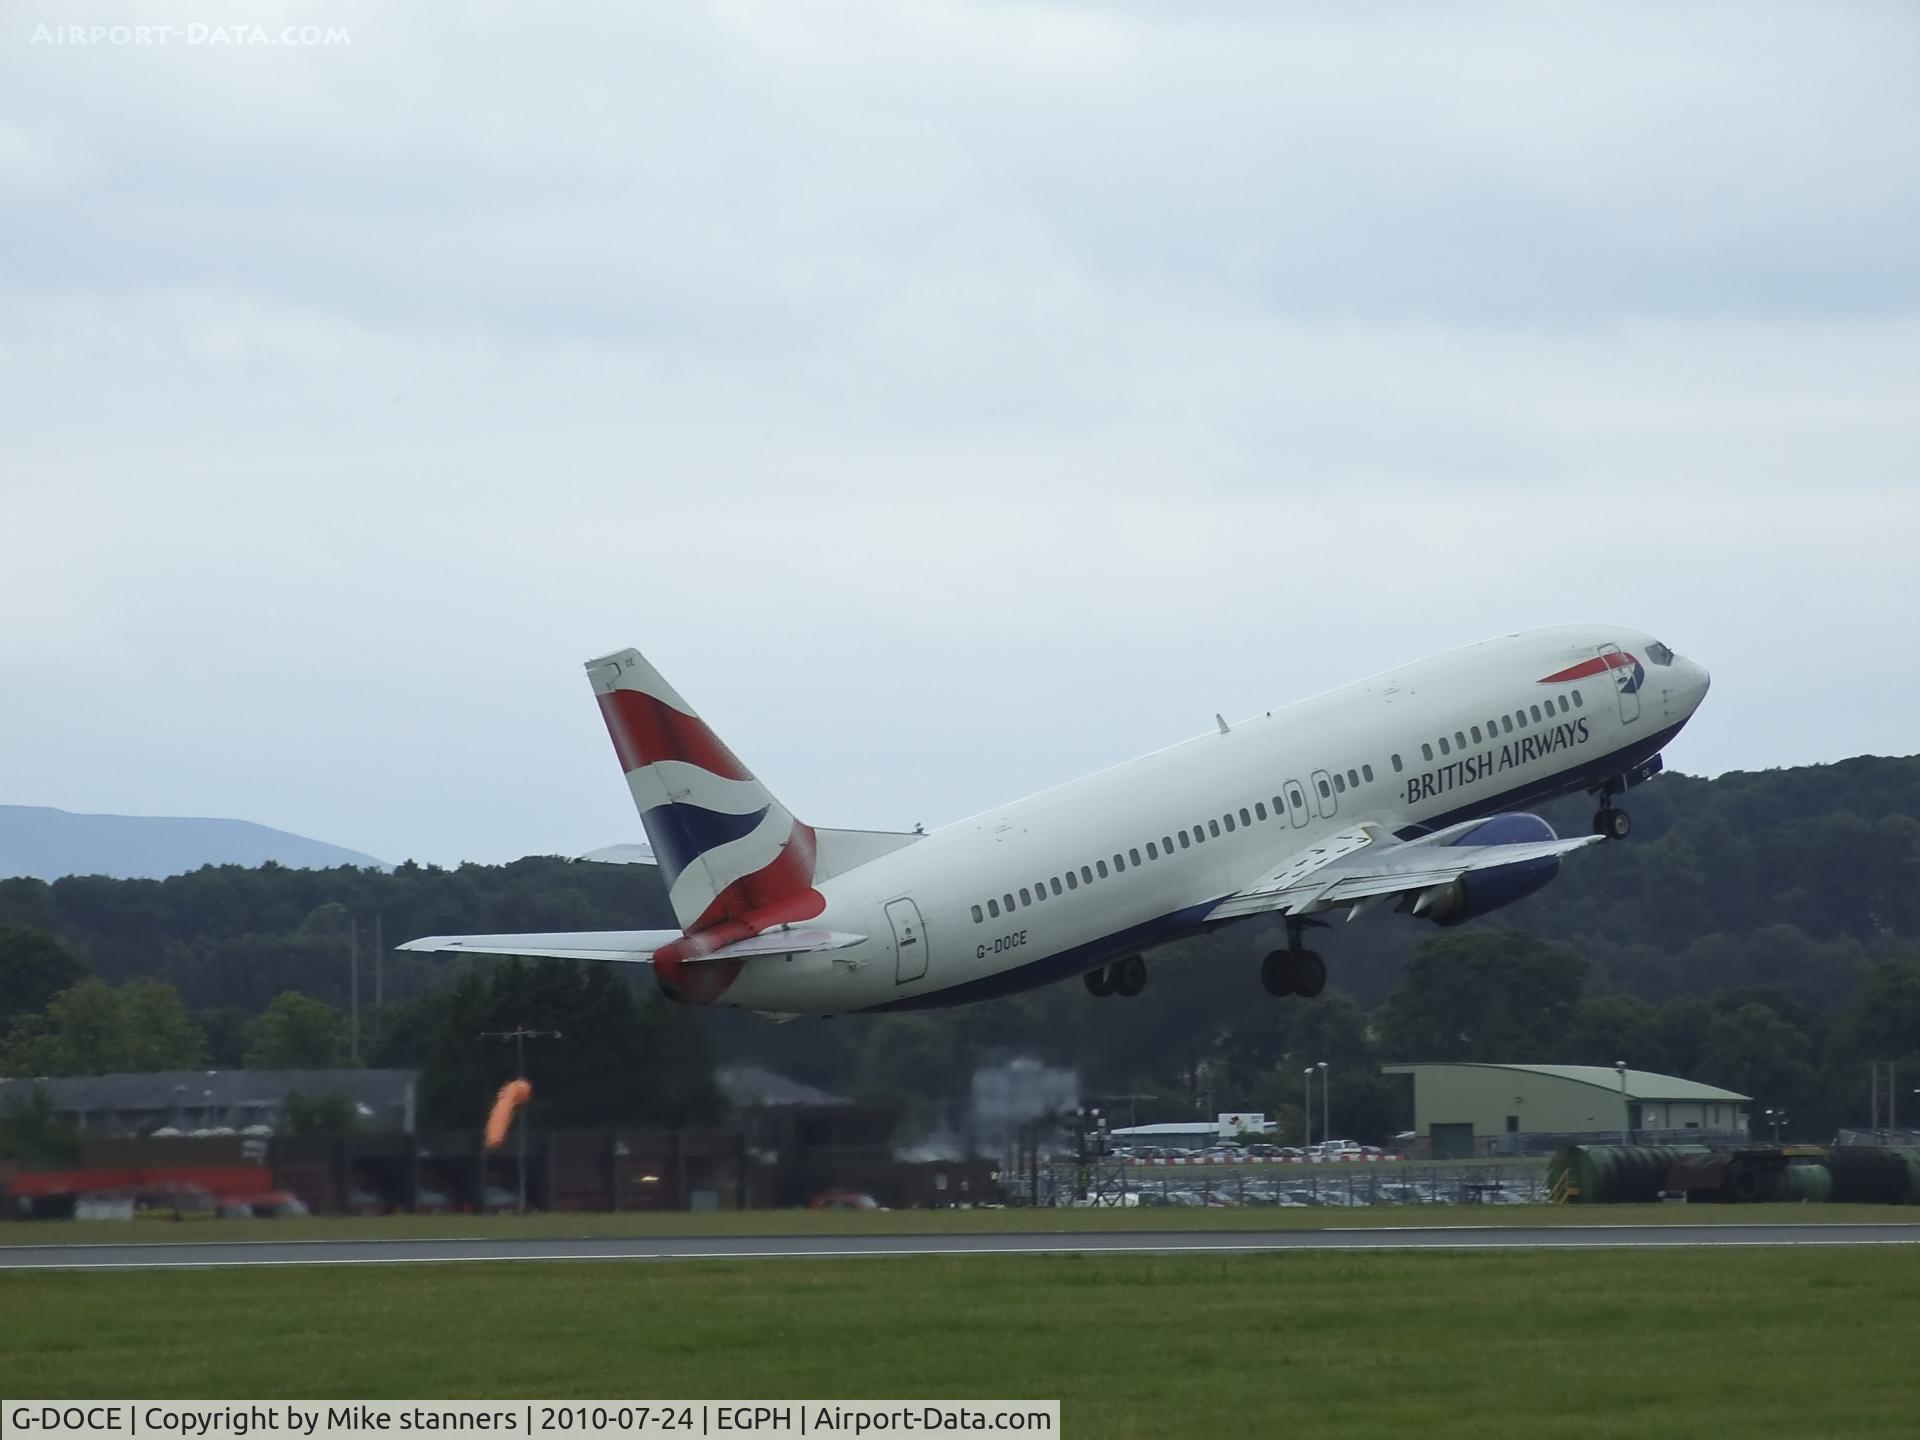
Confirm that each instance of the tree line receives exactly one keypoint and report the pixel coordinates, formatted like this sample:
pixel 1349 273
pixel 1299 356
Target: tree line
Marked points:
pixel 1760 931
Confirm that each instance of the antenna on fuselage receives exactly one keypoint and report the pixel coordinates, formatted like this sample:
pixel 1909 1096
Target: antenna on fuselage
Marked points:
pixel 1221 721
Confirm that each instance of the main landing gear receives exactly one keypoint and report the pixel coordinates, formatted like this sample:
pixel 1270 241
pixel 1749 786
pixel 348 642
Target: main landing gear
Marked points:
pixel 1294 971
pixel 1126 978
pixel 1610 820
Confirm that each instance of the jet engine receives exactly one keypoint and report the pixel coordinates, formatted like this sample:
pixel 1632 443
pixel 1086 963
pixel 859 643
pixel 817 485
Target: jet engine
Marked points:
pixel 1484 891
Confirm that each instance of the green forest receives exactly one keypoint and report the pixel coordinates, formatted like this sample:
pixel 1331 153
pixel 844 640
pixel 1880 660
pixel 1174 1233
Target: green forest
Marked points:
pixel 1759 931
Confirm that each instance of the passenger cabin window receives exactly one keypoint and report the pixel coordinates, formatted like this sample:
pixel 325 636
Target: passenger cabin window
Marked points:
pixel 1366 773
pixel 1055 883
pixel 1213 828
pixel 1460 738
pixel 1134 855
pixel 1564 706
pixel 1443 746
pixel 1339 782
pixel 1183 840
pixel 1325 793
pixel 1506 723
pixel 1153 851
pixel 1577 701
pixel 1026 896
pixel 1245 818
pixel 1086 874
pixel 1166 844
pixel 1040 890
pixel 1008 901
pixel 1260 809
pixel 993 908
pixel 978 915
pixel 1073 881
pixel 1536 713
pixel 1426 750
pixel 1353 777
pixel 1299 801
pixel 1119 864
pixel 1397 766
pixel 1521 717
pixel 1101 866
pixel 1229 820
pixel 1476 734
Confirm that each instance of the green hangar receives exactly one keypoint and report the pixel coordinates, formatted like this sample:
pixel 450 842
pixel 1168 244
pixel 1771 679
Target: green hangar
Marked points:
pixel 1464 1108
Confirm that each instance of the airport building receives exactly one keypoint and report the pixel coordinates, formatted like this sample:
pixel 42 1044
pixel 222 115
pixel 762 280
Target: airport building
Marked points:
pixel 1463 1109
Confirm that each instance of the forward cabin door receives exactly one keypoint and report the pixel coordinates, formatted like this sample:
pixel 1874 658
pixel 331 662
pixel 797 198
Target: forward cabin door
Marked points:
pixel 1323 788
pixel 1626 674
pixel 1297 803
pixel 909 941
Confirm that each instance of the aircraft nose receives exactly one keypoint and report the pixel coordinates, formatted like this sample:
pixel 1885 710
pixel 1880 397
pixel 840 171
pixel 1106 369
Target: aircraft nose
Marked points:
pixel 1698 680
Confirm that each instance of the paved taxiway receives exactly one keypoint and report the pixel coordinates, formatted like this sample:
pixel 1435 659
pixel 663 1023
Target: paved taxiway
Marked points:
pixel 222 1254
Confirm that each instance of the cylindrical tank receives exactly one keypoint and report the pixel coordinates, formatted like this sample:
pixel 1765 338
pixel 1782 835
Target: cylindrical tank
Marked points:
pixel 1808 1181
pixel 1621 1174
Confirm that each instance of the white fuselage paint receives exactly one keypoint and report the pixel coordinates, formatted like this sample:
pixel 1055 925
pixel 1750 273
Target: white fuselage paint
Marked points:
pixel 1286 753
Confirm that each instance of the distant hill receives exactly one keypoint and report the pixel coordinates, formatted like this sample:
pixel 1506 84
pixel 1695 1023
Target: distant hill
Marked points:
pixel 46 844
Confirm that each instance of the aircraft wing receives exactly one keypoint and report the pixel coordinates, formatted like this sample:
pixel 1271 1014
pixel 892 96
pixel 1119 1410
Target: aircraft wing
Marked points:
pixel 1368 863
pixel 632 946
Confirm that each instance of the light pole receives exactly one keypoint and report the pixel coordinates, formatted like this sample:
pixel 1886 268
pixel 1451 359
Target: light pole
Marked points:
pixel 520 1034
pixel 1626 1111
pixel 1326 1124
pixel 1308 1111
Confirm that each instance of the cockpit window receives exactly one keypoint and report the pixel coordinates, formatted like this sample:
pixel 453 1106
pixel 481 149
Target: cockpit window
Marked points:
pixel 1659 654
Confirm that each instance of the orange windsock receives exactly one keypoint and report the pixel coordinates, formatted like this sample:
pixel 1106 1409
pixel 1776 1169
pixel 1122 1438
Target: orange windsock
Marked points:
pixel 513 1095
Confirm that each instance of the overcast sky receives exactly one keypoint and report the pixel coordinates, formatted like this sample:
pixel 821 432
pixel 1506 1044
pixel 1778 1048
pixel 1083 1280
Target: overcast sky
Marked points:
pixel 949 398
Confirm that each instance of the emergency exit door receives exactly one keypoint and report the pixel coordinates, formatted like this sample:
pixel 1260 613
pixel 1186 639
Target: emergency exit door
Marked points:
pixel 909 941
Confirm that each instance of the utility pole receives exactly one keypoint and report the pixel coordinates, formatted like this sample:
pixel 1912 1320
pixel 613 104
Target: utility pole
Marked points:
pixel 353 987
pixel 1626 1110
pixel 1326 1090
pixel 520 1034
pixel 1307 1110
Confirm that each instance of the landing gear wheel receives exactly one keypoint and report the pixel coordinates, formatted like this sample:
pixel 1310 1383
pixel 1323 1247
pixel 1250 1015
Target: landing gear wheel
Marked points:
pixel 1612 823
pixel 1309 973
pixel 1276 973
pixel 1099 982
pixel 1128 977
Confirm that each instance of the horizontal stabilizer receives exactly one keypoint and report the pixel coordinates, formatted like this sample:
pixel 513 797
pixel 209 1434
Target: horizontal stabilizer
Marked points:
pixel 631 946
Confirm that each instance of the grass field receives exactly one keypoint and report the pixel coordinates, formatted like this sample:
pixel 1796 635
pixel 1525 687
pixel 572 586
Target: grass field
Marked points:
pixel 938 1222
pixel 1624 1343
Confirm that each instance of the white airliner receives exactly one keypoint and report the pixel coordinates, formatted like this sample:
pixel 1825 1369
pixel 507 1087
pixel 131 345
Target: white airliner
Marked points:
pixel 1399 792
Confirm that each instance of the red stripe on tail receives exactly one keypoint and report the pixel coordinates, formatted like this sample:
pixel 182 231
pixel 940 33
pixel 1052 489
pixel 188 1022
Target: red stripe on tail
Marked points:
pixel 646 730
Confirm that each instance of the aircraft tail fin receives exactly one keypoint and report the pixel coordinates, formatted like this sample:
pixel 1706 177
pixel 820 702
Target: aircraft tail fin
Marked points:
pixel 727 848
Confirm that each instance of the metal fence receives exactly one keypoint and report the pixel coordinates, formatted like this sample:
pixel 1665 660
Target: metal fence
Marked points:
pixel 1508 1182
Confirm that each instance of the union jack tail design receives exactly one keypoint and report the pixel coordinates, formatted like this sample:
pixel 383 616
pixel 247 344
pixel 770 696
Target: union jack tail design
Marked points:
pixel 734 858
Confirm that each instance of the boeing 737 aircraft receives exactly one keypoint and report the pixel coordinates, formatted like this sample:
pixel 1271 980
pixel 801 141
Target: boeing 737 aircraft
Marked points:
pixel 1399 792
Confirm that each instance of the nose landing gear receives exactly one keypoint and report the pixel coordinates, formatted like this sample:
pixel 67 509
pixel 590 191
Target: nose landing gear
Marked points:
pixel 1125 978
pixel 1610 820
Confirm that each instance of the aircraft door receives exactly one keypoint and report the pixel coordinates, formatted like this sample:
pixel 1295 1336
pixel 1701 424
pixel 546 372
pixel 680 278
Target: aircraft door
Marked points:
pixel 1323 794
pixel 909 941
pixel 1297 803
pixel 1626 674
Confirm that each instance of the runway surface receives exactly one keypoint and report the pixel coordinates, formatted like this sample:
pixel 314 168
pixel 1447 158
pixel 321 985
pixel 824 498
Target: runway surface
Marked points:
pixel 223 1254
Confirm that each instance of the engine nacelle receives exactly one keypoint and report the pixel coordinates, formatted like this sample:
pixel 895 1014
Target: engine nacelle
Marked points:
pixel 1485 891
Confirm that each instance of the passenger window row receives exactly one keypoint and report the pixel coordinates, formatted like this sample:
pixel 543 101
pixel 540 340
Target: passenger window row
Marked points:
pixel 1244 818
pixel 1505 725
